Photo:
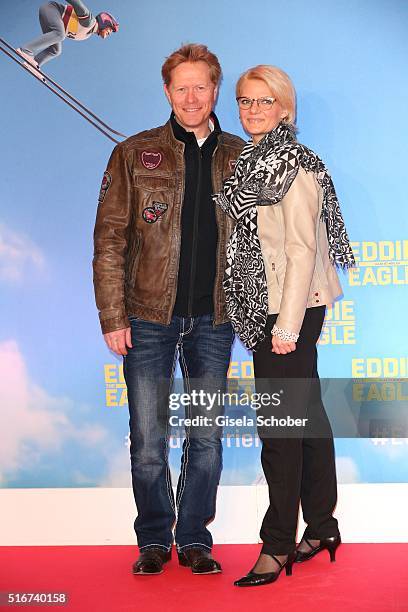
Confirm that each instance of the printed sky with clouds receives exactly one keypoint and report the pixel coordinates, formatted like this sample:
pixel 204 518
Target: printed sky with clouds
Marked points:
pixel 57 430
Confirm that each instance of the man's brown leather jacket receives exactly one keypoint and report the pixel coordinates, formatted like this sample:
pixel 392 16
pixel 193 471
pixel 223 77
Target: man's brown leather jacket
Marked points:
pixel 138 227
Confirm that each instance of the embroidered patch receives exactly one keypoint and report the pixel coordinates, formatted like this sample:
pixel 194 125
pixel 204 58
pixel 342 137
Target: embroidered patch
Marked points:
pixel 151 214
pixel 151 159
pixel 106 183
pixel 232 164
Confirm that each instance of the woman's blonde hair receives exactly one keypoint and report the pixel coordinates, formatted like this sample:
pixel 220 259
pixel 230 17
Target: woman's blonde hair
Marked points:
pixel 278 82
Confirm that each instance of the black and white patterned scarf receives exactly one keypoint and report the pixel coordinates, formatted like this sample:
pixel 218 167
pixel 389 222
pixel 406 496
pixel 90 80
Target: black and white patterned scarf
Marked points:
pixel 263 175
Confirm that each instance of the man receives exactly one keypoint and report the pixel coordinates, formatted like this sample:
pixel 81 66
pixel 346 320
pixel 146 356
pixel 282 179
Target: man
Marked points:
pixel 158 269
pixel 59 21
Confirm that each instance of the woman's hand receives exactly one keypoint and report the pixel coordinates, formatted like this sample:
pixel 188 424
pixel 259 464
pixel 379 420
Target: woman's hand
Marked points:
pixel 282 348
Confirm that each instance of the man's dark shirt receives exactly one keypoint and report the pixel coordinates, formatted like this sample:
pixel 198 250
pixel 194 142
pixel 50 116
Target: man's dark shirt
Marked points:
pixel 199 234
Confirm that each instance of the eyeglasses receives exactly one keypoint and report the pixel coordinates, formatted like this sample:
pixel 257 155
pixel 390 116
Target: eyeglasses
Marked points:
pixel 263 103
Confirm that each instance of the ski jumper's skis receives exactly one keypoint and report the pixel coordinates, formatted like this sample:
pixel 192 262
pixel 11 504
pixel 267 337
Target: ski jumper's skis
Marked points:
pixel 59 91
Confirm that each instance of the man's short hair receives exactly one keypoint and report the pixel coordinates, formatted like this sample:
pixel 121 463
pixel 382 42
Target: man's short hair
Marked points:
pixel 192 53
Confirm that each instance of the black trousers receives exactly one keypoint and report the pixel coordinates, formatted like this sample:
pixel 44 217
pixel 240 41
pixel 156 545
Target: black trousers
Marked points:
pixel 297 469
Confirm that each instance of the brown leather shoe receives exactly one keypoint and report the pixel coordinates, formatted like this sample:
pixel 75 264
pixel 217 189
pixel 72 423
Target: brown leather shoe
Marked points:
pixel 200 561
pixel 151 561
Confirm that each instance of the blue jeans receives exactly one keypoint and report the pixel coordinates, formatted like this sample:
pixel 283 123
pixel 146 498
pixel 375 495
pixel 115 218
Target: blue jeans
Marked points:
pixel 204 352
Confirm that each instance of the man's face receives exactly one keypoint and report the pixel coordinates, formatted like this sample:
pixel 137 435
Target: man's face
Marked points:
pixel 192 96
pixel 105 32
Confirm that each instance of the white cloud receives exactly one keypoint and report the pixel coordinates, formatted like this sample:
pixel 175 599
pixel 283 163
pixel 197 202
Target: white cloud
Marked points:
pixel 347 470
pixel 32 421
pixel 80 479
pixel 19 256
pixel 118 473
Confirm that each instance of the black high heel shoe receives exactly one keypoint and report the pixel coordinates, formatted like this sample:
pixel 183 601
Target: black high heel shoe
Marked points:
pixel 254 579
pixel 330 544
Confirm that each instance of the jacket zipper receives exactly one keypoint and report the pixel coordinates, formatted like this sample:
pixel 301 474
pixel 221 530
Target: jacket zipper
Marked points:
pixel 195 232
pixel 217 254
pixel 173 301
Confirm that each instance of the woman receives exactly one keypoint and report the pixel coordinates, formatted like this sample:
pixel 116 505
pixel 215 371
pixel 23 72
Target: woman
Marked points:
pixel 280 276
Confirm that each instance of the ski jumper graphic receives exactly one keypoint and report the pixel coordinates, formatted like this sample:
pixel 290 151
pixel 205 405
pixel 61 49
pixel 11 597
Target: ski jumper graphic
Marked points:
pixel 59 21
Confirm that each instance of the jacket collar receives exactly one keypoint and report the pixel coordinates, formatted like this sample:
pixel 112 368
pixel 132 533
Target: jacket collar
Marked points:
pixel 180 134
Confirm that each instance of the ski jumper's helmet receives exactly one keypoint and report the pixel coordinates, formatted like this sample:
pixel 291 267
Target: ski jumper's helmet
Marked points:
pixel 106 20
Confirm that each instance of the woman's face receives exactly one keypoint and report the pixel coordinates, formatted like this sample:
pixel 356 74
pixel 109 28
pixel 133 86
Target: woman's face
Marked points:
pixel 258 120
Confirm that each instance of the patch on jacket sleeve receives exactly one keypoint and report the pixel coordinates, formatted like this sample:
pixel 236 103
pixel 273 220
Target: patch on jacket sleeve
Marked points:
pixel 106 183
pixel 153 213
pixel 151 159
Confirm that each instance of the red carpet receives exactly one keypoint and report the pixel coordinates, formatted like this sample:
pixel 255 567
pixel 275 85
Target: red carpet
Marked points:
pixel 372 577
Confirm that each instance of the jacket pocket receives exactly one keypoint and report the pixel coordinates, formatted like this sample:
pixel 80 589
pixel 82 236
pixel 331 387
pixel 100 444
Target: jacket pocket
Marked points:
pixel 132 260
pixel 274 274
pixel 274 287
pixel 149 182
pixel 280 266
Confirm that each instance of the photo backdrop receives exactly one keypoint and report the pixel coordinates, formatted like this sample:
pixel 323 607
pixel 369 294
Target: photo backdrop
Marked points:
pixel 63 404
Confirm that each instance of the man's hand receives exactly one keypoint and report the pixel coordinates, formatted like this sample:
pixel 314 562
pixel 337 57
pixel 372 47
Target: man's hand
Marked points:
pixel 119 340
pixel 282 348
